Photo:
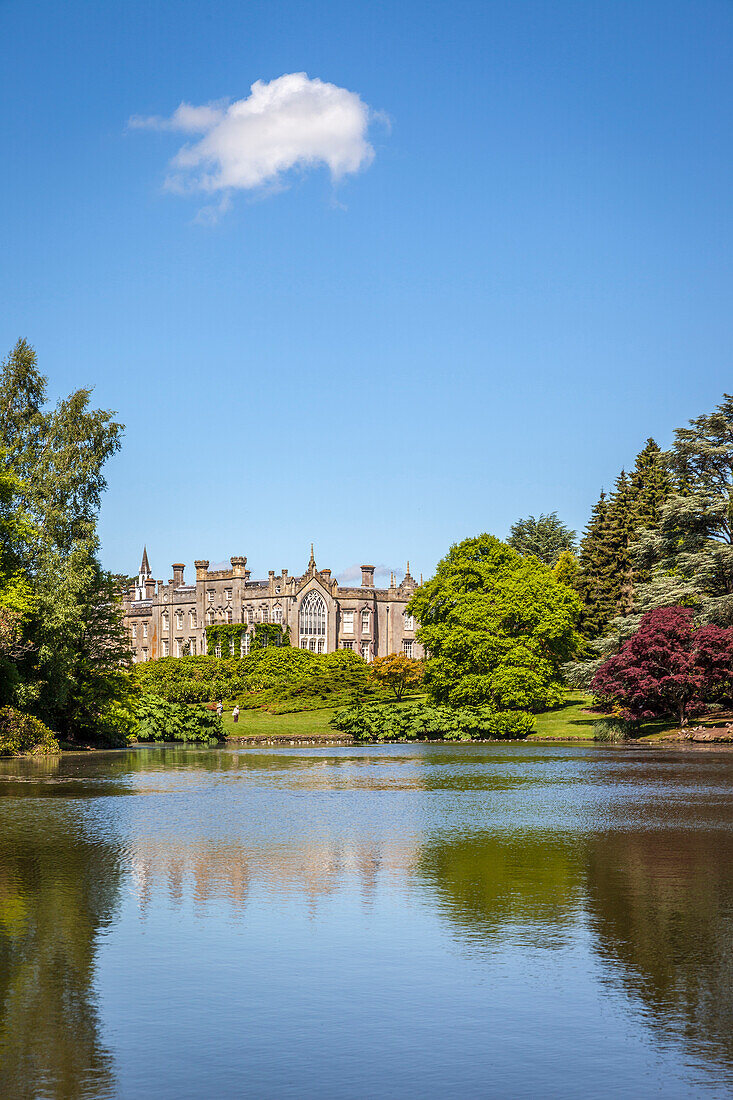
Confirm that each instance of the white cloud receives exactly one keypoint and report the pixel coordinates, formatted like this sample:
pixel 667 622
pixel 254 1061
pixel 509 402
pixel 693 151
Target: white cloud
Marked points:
pixel 289 123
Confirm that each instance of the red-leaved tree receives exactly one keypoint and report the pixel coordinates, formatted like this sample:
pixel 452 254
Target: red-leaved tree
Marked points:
pixel 668 668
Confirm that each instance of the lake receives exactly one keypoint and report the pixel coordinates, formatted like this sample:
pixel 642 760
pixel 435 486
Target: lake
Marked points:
pixel 384 921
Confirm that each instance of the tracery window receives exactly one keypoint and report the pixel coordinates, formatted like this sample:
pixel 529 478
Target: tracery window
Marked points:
pixel 312 622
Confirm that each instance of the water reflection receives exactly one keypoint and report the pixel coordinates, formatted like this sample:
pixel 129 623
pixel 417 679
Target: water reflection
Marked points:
pixel 662 910
pixel 58 888
pixel 612 870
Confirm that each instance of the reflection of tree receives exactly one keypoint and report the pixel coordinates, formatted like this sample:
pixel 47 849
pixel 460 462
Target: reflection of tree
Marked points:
pixel 485 880
pixel 662 904
pixel 58 885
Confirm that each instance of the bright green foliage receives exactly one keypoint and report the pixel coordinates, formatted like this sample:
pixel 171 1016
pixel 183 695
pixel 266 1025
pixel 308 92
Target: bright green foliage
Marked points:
pixel 56 456
pixel 159 720
pixel 566 569
pixel 426 721
pixel 22 734
pixel 546 538
pixel 497 627
pixel 279 678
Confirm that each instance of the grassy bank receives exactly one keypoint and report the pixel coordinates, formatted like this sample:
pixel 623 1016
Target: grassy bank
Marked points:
pixel 569 722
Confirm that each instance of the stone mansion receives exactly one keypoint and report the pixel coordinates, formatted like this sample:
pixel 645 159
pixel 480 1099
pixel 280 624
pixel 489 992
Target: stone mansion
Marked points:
pixel 321 615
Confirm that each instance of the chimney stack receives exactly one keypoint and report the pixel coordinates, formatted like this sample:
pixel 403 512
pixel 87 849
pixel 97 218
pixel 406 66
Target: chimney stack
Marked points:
pixel 367 576
pixel 149 588
pixel 178 568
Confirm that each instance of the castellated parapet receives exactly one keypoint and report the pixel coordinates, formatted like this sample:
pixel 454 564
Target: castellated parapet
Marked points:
pixel 321 615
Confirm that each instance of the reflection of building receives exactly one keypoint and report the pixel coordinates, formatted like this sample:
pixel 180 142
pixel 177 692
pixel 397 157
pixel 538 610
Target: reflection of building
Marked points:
pixel 321 615
pixel 227 872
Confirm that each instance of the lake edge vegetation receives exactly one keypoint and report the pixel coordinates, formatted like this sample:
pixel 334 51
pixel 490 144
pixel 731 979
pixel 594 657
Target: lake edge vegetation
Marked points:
pixel 639 613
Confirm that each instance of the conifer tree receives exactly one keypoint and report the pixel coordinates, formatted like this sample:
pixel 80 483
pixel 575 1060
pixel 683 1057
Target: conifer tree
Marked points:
pixel 651 486
pixel 595 577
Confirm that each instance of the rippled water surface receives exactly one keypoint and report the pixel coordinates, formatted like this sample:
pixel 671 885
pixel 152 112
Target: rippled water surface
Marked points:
pixel 418 921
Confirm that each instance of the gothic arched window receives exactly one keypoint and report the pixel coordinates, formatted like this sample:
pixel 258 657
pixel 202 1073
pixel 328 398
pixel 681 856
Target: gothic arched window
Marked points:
pixel 312 620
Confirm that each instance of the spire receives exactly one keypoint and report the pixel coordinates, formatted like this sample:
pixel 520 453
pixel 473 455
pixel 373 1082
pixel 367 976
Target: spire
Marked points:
pixel 312 562
pixel 144 564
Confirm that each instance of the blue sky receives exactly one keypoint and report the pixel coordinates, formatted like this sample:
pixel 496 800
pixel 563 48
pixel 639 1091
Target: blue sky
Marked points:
pixel 531 276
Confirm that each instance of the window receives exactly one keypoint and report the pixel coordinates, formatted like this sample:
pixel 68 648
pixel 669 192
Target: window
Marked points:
pixel 277 589
pixel 217 651
pixel 229 614
pixel 179 620
pixel 409 621
pixel 312 621
pixel 347 645
pixel 134 631
pixel 179 647
pixel 231 646
pixel 365 617
pixel 244 645
pixel 407 648
pixel 228 594
pixel 211 595
pixel 347 620
pixel 192 620
pixel 165 620
pixel 265 614
pixel 145 655
pixel 365 651
pixel 166 647
pixel 192 647
pixel 209 618
pixel 204 646
pixel 145 630
pixel 277 613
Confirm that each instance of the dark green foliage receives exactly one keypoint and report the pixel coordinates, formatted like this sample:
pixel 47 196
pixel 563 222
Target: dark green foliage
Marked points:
pixel 426 721
pixel 610 729
pixel 496 626
pixel 546 538
pixel 226 638
pixel 22 734
pixel 159 720
pixel 610 565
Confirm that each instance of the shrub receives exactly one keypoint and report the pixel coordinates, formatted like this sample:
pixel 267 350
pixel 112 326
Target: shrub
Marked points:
pixel 160 720
pixel 424 721
pixel 22 733
pixel 610 729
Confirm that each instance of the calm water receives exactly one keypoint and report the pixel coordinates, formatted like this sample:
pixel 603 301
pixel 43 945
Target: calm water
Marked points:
pixel 512 921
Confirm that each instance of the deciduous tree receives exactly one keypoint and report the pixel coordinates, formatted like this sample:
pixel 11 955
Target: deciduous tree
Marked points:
pixel 668 667
pixel 397 672
pixel 497 627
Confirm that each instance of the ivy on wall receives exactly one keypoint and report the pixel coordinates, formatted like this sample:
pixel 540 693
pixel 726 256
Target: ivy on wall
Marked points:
pixel 225 639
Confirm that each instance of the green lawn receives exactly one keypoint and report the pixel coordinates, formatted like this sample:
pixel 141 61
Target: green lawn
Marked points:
pixel 567 721
pixel 260 723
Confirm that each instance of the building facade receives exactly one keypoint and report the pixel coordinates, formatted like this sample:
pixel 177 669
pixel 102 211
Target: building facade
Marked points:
pixel 321 615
